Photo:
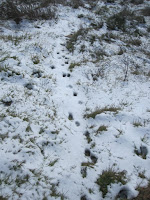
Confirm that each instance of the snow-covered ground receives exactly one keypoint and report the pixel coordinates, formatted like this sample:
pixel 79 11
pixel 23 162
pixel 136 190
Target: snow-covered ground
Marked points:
pixel 50 146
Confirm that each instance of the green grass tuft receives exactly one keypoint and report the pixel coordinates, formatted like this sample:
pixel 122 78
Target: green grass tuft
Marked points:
pixel 102 110
pixel 109 177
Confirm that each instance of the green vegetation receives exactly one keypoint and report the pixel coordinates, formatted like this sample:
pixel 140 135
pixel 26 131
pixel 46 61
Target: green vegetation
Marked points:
pixel 35 60
pixel 119 21
pixel 109 177
pixel 56 194
pixel 73 65
pixel 102 110
pixel 17 10
pixel 87 164
pixel 137 123
pixel 146 11
pixel 14 39
pixel 72 39
pixel 144 193
pixel 51 164
pixel 101 129
pixel 2 198
pixel 116 22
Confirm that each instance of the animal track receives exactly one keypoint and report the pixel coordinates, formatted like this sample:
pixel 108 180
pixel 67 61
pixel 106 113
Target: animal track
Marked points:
pixel 143 151
pixel 64 75
pixel 7 102
pixel 37 73
pixel 83 197
pixel 123 193
pixel 93 158
pixel 88 137
pixel 77 123
pixel 70 117
pixel 52 67
pixel 75 94
pixel 87 152
pixel 84 171
pixel 29 86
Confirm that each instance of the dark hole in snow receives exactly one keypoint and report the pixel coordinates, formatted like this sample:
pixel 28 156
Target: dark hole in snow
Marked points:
pixel 66 62
pixel 75 94
pixel 57 52
pixel 17 20
pixel 68 75
pixel 83 198
pixel 84 171
pixel 29 86
pixel 87 152
pixel 64 75
pixel 70 117
pixel 7 102
pixel 37 73
pixel 52 67
pixel 93 158
pixel 77 123
pixel 37 27
pixel 123 193
pixel 143 151
pixel 87 134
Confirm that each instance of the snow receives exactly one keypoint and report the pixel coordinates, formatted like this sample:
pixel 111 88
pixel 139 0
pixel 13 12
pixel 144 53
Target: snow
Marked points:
pixel 35 130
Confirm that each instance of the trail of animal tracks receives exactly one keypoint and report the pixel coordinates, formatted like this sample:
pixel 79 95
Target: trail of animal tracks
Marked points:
pixel 62 127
